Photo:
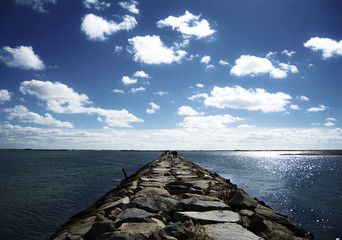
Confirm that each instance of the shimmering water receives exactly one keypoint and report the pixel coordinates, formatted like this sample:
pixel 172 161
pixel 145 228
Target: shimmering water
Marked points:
pixel 39 190
pixel 307 189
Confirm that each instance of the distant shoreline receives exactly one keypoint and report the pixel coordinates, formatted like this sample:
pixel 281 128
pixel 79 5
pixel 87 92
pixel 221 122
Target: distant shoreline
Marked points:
pixel 296 152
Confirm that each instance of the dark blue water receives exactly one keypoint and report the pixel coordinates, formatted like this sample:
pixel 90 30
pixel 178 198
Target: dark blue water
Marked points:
pixel 39 190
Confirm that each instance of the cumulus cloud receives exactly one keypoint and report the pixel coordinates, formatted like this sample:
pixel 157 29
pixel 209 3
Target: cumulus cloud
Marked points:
pixel 22 114
pixel 127 80
pixel 5 96
pixel 288 67
pixel 200 85
pixel 161 93
pixel 98 28
pixel 151 50
pixel 223 62
pixel 253 66
pixel 198 96
pixel 187 111
pixel 331 119
pixel 317 109
pixel 118 91
pixel 329 124
pixel 188 24
pixel 38 5
pixel 60 98
pixel 329 47
pixel 153 108
pixel 288 53
pixel 205 59
pixel 303 98
pixel 294 107
pixel 208 122
pixel 271 54
pixel 130 6
pixel 139 89
pixel 141 74
pixel 96 4
pixel 22 57
pixel 239 98
pixel 245 126
pixel 278 73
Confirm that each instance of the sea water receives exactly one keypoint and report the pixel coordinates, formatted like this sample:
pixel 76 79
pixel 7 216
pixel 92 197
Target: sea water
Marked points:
pixel 40 190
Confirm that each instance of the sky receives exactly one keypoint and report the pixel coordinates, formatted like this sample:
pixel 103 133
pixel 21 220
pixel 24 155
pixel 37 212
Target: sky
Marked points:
pixel 171 74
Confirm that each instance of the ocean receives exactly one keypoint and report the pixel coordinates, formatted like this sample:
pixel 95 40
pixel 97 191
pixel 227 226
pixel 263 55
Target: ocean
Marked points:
pixel 40 190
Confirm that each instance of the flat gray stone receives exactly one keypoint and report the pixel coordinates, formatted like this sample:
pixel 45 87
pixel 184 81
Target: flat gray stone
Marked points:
pixel 230 231
pixel 208 217
pixel 155 203
pixel 134 215
pixel 194 204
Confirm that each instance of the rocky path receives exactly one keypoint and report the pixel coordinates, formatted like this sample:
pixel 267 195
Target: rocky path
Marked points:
pixel 172 198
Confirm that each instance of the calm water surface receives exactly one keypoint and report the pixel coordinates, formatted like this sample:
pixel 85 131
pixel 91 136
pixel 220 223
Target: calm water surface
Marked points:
pixel 39 190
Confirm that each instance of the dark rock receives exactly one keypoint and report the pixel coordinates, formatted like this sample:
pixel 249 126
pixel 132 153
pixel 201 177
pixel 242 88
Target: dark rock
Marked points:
pixel 99 228
pixel 176 230
pixel 193 204
pixel 155 203
pixel 134 215
pixel 238 199
pixel 208 217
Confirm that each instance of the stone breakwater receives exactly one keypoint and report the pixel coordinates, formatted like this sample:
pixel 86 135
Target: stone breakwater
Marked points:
pixel 172 198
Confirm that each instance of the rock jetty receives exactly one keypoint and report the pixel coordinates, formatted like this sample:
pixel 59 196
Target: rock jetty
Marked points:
pixel 172 198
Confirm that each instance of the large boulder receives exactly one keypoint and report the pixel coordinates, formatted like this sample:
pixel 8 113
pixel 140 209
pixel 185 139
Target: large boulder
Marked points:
pixel 194 204
pixel 208 217
pixel 155 203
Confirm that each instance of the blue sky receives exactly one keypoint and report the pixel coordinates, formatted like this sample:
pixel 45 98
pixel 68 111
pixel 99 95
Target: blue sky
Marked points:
pixel 93 74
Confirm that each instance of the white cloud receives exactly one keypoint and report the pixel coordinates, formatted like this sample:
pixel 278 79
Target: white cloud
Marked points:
pixel 16 136
pixel 210 67
pixel 139 89
pixel 270 54
pixel 119 91
pixel 98 5
pixel 303 98
pixel 208 122
pixel 331 119
pixel 153 109
pixel 240 98
pixel 60 98
pixel 223 62
pixel 97 28
pixel 22 114
pixel 317 109
pixel 205 59
pixel 38 5
pixel 329 124
pixel 127 80
pixel 161 93
pixel 151 50
pixel 288 67
pixel 328 46
pixel 198 96
pixel 141 74
pixel 118 49
pixel 245 126
pixel 130 6
pixel 188 24
pixel 21 57
pixel 294 107
pixel 251 65
pixel 278 73
pixel 288 53
pixel 187 111
pixel 200 85
pixel 5 96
